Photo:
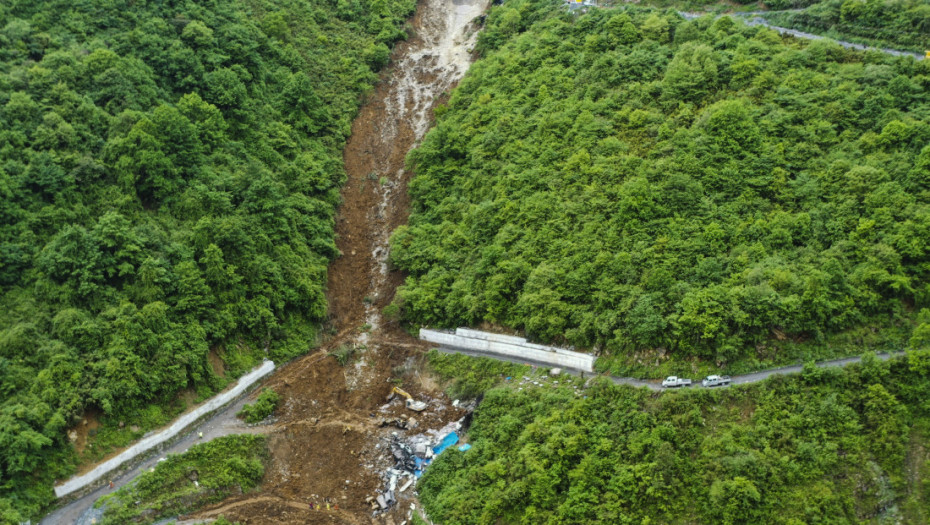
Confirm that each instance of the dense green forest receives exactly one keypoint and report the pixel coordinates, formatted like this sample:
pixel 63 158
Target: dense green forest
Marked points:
pixel 895 24
pixel 168 178
pixel 826 446
pixel 629 181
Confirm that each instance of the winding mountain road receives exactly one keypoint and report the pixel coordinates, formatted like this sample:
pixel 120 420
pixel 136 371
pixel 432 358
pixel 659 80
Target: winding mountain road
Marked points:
pixel 421 63
pixel 223 422
pixel 753 18
pixel 655 384
pixel 754 377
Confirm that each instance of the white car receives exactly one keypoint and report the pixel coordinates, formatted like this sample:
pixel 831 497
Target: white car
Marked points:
pixel 675 382
pixel 715 380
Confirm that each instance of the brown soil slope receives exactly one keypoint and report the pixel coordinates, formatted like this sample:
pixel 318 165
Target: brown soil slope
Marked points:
pixel 328 445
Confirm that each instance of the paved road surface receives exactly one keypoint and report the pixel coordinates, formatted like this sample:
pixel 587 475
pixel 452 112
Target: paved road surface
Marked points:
pixel 656 384
pixel 756 20
pixel 223 423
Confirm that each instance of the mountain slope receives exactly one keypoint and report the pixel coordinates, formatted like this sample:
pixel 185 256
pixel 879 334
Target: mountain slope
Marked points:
pixel 630 181
pixel 169 173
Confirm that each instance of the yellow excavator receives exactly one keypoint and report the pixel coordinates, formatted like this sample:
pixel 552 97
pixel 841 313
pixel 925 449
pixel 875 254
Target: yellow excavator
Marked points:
pixel 411 403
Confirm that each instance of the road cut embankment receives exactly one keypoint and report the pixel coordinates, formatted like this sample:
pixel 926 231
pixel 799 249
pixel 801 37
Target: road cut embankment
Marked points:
pixel 150 442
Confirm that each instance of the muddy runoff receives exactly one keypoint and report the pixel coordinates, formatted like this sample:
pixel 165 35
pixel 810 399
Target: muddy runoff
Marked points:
pixel 338 446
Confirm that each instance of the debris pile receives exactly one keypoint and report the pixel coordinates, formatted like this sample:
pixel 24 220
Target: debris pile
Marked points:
pixel 404 458
pixel 402 423
pixel 411 455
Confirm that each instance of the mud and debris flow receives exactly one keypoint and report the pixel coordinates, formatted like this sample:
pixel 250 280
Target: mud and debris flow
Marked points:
pixel 328 448
pixel 332 445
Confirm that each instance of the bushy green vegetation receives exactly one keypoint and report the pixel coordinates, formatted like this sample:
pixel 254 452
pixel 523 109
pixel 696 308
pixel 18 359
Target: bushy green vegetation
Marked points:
pixel 629 181
pixel 168 178
pixel 219 468
pixel 789 4
pixel 264 406
pixel 471 376
pixel 826 446
pixel 343 354
pixel 895 24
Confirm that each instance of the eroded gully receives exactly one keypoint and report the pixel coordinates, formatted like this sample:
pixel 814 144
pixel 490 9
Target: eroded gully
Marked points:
pixel 327 446
pixel 325 443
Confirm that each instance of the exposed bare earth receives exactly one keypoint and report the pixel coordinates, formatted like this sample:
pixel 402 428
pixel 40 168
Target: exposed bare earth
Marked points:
pixel 328 445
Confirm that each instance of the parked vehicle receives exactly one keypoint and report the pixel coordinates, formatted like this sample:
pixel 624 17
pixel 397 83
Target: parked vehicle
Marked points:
pixel 715 380
pixel 675 382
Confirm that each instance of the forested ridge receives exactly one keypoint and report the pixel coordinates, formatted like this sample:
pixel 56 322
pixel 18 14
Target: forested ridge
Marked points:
pixel 629 181
pixel 168 178
pixel 826 446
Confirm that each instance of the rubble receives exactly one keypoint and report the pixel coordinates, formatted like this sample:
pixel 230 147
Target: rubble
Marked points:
pixel 403 455
pixel 410 455
pixel 399 422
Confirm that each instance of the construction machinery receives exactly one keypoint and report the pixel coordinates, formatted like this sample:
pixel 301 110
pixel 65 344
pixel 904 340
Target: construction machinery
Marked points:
pixel 411 403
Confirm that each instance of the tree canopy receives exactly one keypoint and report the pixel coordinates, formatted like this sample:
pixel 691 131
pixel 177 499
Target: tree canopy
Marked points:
pixel 903 25
pixel 825 446
pixel 629 181
pixel 168 178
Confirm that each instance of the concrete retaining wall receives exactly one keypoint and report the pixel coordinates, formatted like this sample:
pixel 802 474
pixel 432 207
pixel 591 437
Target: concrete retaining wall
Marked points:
pixel 510 346
pixel 147 443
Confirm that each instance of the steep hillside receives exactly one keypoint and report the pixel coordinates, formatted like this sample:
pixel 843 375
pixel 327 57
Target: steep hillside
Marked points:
pixel 628 181
pixel 894 24
pixel 827 446
pixel 169 173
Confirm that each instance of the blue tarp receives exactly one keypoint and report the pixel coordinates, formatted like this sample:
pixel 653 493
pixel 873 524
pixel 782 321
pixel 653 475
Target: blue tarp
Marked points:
pixel 465 447
pixel 420 465
pixel 451 439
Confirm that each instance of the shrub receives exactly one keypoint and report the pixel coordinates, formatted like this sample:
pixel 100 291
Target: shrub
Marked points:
pixel 266 403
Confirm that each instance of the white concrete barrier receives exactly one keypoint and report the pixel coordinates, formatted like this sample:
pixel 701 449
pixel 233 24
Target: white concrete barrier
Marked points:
pixel 147 443
pixel 490 336
pixel 509 346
